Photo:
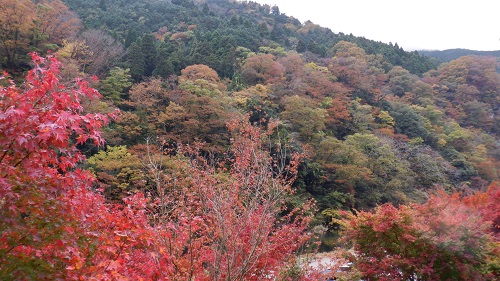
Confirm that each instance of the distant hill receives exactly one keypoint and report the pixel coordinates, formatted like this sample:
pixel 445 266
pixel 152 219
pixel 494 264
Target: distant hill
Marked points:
pixel 453 54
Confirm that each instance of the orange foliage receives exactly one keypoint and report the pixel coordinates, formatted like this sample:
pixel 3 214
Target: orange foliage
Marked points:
pixel 262 68
pixel 179 36
pixel 55 21
pixel 201 71
pixel 338 112
pixel 16 24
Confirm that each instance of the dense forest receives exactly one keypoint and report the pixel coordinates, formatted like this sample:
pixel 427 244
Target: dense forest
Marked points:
pixel 224 140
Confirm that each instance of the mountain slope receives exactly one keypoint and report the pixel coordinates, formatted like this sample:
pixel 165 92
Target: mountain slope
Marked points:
pixel 237 24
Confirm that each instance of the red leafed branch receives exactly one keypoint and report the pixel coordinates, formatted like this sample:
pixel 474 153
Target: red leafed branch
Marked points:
pixel 39 120
pixel 53 226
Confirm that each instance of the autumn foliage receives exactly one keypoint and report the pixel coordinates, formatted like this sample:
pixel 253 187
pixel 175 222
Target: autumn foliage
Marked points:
pixel 27 25
pixel 227 220
pixel 234 119
pixel 199 221
pixel 448 238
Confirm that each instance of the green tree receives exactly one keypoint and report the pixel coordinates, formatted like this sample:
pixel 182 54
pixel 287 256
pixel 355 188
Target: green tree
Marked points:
pixel 148 48
pixel 118 171
pixel 301 46
pixel 164 66
pixel 304 117
pixel 362 118
pixel 400 81
pixel 135 59
pixel 408 121
pixel 115 86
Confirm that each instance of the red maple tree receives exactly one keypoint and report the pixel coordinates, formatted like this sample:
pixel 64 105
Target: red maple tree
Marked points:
pixel 54 226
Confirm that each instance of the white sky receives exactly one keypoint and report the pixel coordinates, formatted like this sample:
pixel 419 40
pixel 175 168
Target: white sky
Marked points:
pixel 413 24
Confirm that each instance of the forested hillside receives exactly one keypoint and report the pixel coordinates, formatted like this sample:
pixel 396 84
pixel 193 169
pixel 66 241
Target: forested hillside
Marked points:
pixel 226 132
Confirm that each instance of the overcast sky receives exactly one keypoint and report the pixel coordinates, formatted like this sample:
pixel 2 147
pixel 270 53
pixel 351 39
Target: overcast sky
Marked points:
pixel 413 24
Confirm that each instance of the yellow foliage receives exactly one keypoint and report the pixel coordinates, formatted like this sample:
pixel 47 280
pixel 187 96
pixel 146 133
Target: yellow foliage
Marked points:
pixel 74 50
pixel 442 142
